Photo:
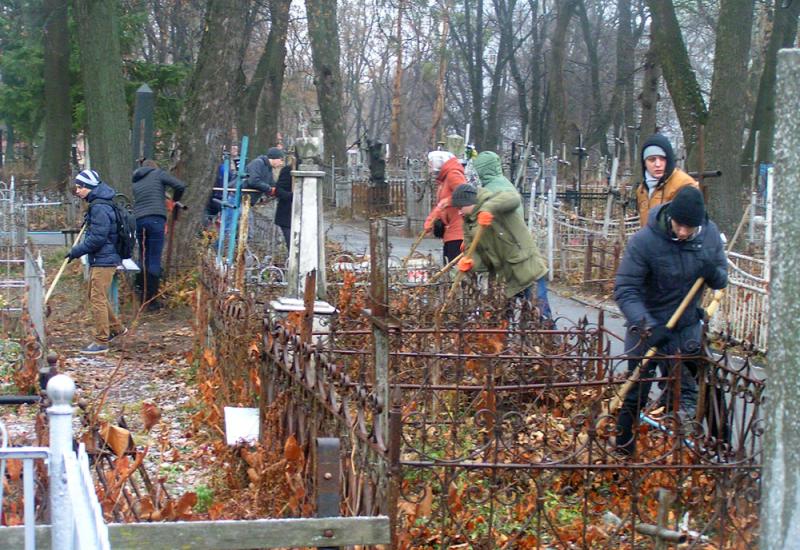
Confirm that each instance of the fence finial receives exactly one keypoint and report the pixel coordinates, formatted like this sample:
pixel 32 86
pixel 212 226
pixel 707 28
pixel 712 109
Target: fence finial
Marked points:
pixel 61 390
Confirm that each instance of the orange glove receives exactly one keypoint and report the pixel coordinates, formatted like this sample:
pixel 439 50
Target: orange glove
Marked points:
pixel 465 264
pixel 485 218
pixel 428 227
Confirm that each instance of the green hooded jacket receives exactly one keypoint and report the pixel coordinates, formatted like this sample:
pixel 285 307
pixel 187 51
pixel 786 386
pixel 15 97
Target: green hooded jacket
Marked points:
pixel 507 247
pixel 490 171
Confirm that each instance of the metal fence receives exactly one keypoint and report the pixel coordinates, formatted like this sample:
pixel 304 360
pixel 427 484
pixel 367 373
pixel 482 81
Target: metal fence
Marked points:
pixel 480 426
pixel 76 519
pixel 744 313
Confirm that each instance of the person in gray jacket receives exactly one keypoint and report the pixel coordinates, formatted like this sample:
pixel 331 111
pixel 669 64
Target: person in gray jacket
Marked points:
pixel 149 206
pixel 661 263
pixel 262 173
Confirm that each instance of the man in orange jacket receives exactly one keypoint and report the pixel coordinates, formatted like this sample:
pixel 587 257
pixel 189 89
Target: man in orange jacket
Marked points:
pixel 662 179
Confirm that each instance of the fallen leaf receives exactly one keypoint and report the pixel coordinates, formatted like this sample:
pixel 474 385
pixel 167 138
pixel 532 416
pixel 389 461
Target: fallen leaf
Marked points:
pixel 151 415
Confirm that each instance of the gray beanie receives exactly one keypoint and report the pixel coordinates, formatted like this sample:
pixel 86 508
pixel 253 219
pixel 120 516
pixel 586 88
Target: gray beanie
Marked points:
pixel 464 195
pixel 275 153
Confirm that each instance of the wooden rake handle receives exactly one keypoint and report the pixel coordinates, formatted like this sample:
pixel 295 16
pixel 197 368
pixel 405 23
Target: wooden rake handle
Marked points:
pixel 445 269
pixel 62 268
pixel 636 374
pixel 413 248
pixel 460 275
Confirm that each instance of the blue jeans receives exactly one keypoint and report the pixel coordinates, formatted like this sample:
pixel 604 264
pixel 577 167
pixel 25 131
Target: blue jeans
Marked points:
pixel 150 232
pixel 541 297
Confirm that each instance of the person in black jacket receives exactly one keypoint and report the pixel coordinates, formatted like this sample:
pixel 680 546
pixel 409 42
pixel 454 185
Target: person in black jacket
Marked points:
pixel 283 210
pixel 149 191
pixel 661 263
pixel 99 243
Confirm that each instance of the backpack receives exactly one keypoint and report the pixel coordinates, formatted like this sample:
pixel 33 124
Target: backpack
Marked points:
pixel 126 228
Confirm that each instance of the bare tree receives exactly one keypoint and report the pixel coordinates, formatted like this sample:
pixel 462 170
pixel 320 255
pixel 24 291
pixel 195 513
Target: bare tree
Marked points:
pixel 103 88
pixel 207 117
pixel 323 30
pixel 55 169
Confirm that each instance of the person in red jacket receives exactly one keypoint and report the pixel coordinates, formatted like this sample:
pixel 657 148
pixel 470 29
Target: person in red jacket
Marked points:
pixel 449 174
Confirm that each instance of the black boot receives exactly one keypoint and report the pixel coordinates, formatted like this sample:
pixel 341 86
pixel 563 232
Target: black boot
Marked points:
pixel 153 283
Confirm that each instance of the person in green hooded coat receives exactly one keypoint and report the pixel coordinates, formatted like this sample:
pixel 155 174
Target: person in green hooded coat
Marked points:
pixel 507 247
pixel 490 173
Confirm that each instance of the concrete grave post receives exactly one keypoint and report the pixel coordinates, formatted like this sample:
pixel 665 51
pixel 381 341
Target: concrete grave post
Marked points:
pixel 142 135
pixel 307 249
pixel 780 498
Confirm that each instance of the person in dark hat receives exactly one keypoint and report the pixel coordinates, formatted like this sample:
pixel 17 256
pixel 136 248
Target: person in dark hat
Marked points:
pixel 99 244
pixel 262 172
pixel 507 247
pixel 662 179
pixel 661 263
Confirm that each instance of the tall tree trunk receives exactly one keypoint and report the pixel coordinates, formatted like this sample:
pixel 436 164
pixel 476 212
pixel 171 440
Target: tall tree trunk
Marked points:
pixel 535 122
pixel 649 97
pixel 556 110
pixel 784 30
pixel 207 116
pixel 726 118
pixel 55 168
pixel 473 55
pixel 270 71
pixel 395 138
pixel 103 88
pixel 678 74
pixel 438 106
pixel 323 30
pixel 505 50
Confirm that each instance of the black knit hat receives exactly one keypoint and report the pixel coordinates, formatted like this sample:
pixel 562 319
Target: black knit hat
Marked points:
pixel 275 153
pixel 687 207
pixel 464 195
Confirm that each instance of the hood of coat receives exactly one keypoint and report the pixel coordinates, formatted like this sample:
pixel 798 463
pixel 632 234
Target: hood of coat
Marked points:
pixel 102 191
pixel 487 165
pixel 449 168
pixel 141 172
pixel 663 142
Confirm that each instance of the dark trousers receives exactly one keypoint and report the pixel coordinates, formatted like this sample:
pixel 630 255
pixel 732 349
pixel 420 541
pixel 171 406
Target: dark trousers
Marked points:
pixel 287 235
pixel 451 250
pixel 637 396
pixel 150 232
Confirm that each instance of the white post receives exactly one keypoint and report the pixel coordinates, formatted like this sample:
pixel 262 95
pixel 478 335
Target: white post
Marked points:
pixel 551 213
pixel 768 226
pixel 60 390
pixel 780 498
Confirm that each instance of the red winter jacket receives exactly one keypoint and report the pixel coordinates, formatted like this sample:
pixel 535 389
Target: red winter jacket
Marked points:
pixel 450 176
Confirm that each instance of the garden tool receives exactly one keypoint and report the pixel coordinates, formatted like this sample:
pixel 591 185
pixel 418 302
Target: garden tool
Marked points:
pixel 173 219
pixel 413 249
pixel 61 269
pixel 635 375
pixel 445 269
pixel 460 275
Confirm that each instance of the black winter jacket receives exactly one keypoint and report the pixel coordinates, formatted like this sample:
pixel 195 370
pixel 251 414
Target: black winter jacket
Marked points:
pixel 656 272
pixel 259 173
pixel 149 186
pixel 283 190
pixel 100 239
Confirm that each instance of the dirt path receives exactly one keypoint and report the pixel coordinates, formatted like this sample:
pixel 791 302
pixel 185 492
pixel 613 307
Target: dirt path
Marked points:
pixel 149 367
